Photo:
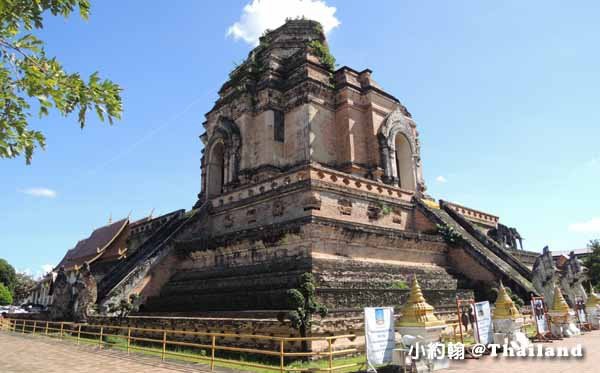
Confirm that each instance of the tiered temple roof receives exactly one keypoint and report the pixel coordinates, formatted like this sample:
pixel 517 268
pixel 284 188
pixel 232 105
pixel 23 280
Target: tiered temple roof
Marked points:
pixel 99 243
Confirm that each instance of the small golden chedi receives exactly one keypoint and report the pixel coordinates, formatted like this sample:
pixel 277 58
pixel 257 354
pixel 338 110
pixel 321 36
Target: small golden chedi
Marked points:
pixel 505 307
pixel 416 311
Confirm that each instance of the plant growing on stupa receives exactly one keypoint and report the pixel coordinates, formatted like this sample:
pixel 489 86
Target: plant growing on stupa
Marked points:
pixel 450 235
pixel 322 52
pixel 302 304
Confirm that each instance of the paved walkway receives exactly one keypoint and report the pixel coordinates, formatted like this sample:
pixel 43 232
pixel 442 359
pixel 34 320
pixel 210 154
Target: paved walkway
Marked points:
pixel 31 354
pixel 590 363
pixel 20 354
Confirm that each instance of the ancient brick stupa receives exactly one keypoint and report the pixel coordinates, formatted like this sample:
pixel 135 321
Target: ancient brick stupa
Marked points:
pixel 418 318
pixel 309 168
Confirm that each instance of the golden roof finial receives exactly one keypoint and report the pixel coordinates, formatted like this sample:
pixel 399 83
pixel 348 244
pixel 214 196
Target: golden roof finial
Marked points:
pixel 505 307
pixel 559 305
pixel 416 311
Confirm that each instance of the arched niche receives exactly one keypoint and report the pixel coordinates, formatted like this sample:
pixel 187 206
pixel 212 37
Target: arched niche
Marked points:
pixel 223 161
pixel 216 169
pixel 399 152
pixel 404 163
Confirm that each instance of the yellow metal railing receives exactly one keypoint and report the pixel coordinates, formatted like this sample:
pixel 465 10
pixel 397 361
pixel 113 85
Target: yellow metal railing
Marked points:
pixel 159 342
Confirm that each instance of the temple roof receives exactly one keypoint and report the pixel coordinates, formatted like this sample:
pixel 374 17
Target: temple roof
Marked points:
pixel 90 248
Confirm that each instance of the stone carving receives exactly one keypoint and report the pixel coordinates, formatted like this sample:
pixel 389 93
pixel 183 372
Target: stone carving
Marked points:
pixel 397 216
pixel 61 297
pixel 228 221
pixel 544 274
pixel 85 294
pixel 570 277
pixel 506 236
pixel 278 208
pixel 345 206
pixel 251 214
pixel 573 276
pixel 312 202
pixel 374 212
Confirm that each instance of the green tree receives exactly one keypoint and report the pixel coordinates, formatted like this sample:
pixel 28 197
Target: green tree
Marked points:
pixel 302 303
pixel 8 275
pixel 5 296
pixel 592 262
pixel 23 284
pixel 28 77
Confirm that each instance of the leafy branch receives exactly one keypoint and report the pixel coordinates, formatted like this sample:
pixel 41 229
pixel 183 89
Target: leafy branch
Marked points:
pixel 28 76
pixel 450 235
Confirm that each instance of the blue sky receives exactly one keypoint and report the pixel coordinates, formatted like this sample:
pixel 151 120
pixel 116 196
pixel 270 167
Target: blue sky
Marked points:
pixel 505 96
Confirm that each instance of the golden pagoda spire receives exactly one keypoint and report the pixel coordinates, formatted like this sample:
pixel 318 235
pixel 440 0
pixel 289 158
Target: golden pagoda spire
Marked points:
pixel 593 299
pixel 505 307
pixel 416 311
pixel 559 305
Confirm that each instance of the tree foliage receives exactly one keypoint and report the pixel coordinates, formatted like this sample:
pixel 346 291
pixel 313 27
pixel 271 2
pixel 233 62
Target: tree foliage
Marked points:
pixel 28 77
pixel 8 275
pixel 23 284
pixel 592 262
pixel 5 295
pixel 302 304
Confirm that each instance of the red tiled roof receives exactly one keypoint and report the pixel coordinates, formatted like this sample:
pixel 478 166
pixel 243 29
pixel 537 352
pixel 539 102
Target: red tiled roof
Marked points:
pixel 93 245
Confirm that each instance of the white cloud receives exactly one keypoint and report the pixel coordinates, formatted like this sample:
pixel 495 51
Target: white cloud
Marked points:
pixel 591 226
pixel 593 162
pixel 441 179
pixel 46 268
pixel 40 192
pixel 260 15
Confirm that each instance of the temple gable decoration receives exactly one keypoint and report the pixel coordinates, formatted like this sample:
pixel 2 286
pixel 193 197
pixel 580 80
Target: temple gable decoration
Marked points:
pixel 400 152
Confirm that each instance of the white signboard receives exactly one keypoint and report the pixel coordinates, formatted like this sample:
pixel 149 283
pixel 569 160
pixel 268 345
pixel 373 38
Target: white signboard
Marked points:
pixel 484 323
pixel 537 309
pixel 379 334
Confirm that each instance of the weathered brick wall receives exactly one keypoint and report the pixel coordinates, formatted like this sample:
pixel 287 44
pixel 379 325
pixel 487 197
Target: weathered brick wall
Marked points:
pixel 399 248
pixel 357 299
pixel 526 257
pixel 468 266
pixel 422 223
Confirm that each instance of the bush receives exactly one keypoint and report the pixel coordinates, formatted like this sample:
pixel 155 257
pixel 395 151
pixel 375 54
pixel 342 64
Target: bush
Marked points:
pixel 400 284
pixel 5 295
pixel 322 52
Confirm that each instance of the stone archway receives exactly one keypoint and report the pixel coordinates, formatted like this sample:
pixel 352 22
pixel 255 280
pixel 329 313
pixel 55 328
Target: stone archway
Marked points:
pixel 399 152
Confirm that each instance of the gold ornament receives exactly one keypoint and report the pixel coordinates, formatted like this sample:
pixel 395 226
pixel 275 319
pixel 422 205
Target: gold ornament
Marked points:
pixel 416 311
pixel 559 305
pixel 505 307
